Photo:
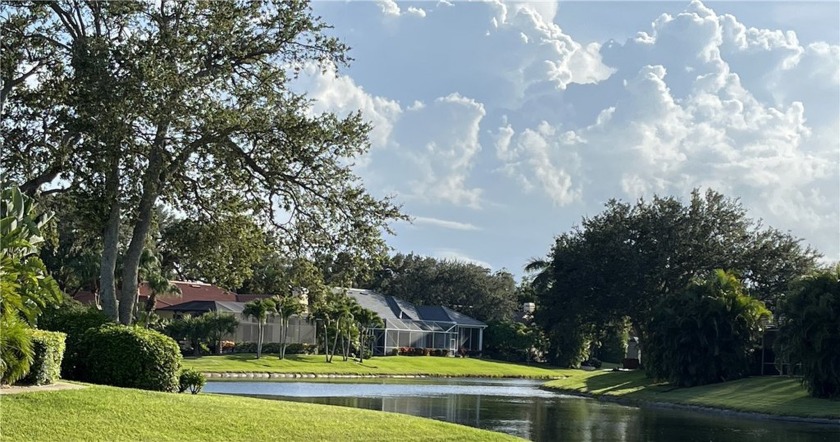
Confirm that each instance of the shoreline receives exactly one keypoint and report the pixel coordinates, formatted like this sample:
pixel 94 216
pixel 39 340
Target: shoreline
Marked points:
pixel 641 403
pixel 215 375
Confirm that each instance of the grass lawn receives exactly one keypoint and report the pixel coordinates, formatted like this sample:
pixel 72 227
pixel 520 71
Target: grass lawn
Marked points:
pixel 108 413
pixel 767 394
pixel 388 365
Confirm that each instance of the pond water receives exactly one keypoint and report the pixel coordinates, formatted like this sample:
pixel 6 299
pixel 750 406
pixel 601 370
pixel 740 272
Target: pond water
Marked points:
pixel 520 408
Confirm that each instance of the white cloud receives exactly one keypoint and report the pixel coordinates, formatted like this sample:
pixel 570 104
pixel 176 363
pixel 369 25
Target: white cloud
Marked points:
pixel 456 255
pixel 701 100
pixel 442 223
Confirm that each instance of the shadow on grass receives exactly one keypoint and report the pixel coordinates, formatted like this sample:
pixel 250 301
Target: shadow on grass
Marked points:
pixel 612 381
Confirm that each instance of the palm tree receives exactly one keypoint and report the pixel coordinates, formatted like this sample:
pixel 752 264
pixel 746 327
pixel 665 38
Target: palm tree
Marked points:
pixel 260 310
pixel 365 320
pixel 323 313
pixel 218 325
pixel 286 306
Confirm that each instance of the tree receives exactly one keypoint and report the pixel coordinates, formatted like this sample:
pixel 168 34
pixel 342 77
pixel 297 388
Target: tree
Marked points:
pixel 190 328
pixel 809 331
pixel 365 321
pixel 25 286
pixel 221 250
pixel 704 334
pixel 218 326
pixel 626 260
pixel 286 307
pixel 260 310
pixel 189 104
pixel 468 288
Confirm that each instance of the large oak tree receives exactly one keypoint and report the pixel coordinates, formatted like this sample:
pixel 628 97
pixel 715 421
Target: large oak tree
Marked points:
pixel 186 104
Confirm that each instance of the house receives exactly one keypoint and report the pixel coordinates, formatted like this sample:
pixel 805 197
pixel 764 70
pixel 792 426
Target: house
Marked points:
pixel 405 325
pixel 300 331
pixel 190 291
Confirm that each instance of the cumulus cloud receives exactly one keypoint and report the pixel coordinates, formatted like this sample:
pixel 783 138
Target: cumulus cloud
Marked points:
pixel 700 100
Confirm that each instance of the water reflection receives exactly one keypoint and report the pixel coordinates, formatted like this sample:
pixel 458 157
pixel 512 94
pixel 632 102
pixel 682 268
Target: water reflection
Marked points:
pixel 519 408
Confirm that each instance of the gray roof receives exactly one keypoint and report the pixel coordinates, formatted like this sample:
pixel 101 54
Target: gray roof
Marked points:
pixel 395 311
pixel 445 314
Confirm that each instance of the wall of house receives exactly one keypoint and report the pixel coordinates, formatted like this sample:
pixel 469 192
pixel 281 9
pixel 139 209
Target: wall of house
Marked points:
pixel 301 330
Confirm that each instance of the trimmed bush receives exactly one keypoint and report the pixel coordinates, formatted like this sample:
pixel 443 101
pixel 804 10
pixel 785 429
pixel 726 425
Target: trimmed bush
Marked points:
pixel 192 380
pixel 73 319
pixel 131 357
pixel 46 363
pixel 809 332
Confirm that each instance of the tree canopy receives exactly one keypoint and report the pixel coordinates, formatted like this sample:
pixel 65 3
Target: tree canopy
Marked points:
pixel 186 104
pixel 623 261
pixel 467 288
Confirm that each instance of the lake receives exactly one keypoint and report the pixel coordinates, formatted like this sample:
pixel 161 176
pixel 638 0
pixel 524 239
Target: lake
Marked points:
pixel 520 408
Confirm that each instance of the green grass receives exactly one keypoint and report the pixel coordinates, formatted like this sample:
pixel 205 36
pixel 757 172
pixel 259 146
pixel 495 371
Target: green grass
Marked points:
pixel 116 414
pixel 390 365
pixel 780 396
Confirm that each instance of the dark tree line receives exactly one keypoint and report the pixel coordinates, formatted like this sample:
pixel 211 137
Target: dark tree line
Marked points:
pixel 622 262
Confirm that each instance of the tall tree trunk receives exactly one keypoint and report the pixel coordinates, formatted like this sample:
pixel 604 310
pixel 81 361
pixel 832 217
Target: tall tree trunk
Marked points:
pixel 335 341
pixel 259 338
pixel 326 343
pixel 131 263
pixel 110 236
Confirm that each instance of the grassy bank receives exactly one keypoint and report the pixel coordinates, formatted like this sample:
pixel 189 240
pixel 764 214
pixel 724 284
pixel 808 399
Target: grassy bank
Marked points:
pixel 107 413
pixel 390 365
pixel 779 396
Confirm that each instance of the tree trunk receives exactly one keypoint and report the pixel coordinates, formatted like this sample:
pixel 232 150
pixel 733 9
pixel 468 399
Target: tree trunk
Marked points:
pixel 335 342
pixel 110 236
pixel 259 338
pixel 283 331
pixel 131 263
pixel 326 343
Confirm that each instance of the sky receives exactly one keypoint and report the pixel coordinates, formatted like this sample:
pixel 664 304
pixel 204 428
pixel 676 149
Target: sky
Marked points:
pixel 499 125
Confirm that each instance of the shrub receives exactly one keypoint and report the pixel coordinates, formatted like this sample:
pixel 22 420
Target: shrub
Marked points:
pixel 394 352
pixel 192 380
pixel 73 319
pixel 809 332
pixel 705 333
pixel 46 364
pixel 16 352
pixel 131 357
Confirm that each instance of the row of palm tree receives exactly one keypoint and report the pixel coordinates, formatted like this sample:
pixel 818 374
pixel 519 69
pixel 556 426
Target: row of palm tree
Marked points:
pixel 342 318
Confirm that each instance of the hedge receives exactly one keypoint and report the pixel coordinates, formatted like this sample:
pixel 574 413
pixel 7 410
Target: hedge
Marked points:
pixel 72 318
pixel 46 364
pixel 274 347
pixel 132 357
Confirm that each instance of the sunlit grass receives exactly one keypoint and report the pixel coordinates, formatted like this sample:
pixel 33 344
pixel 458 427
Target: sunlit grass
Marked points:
pixel 99 413
pixel 767 394
pixel 389 365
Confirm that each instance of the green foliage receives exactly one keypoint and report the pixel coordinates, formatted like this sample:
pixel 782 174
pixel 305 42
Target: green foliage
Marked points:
pixel 809 331
pixel 192 380
pixel 16 352
pixel 260 310
pixel 624 261
pixel 202 331
pixel 705 333
pixel 220 250
pixel 49 352
pixel 132 357
pixel 569 344
pixel 73 319
pixel 232 141
pixel 511 341
pixel 613 342
pixel 464 287
pixel 275 348
pixel 25 286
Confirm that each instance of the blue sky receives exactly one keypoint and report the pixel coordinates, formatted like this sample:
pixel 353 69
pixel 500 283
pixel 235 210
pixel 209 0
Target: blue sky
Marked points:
pixel 500 124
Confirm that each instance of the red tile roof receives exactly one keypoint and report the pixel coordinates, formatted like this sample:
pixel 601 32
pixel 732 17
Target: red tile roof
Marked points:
pixel 248 297
pixel 190 291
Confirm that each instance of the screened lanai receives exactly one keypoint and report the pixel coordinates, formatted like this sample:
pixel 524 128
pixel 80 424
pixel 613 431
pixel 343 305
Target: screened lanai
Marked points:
pixel 433 327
